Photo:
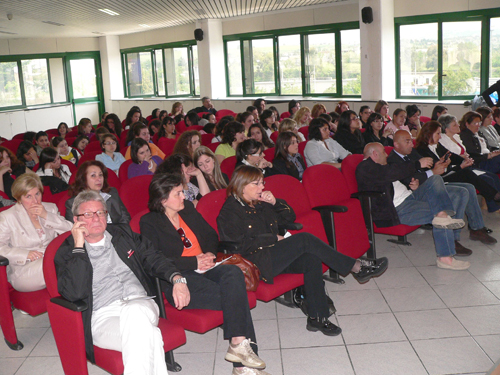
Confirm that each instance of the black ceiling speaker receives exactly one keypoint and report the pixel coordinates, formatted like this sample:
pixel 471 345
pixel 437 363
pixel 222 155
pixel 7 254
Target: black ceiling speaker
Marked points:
pixel 367 15
pixel 198 34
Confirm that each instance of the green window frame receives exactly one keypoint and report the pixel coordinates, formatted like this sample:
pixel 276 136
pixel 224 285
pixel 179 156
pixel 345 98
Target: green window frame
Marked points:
pixel 167 80
pixel 245 83
pixel 449 74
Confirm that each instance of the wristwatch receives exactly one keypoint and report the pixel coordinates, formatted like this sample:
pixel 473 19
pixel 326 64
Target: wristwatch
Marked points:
pixel 180 280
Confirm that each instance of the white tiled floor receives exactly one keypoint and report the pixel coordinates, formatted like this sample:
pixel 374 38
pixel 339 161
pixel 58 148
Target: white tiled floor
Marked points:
pixel 415 319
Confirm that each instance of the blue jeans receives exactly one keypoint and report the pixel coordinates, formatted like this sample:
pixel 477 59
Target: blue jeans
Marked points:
pixel 472 209
pixel 426 202
pixel 492 180
pixel 491 165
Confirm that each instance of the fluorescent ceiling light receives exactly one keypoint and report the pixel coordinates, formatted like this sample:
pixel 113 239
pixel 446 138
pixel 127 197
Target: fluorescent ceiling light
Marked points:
pixel 110 12
pixel 143 25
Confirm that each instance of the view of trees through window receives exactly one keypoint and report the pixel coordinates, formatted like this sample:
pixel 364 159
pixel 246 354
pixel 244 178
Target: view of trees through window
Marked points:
pixel 36 81
pixel 320 63
pixel 10 89
pixel 351 62
pixel 494 50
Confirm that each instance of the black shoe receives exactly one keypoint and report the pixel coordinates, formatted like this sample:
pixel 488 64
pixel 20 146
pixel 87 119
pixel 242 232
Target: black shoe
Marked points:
pixel 487 230
pixel 323 325
pixel 461 250
pixel 370 268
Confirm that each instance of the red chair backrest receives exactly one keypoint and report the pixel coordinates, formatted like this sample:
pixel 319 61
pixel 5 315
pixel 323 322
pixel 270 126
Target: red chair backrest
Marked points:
pixel 123 150
pixel 206 139
pixel 3 195
pixel 284 115
pixel 123 171
pixel 12 145
pixel 349 165
pixel 135 193
pixel 89 155
pixel 19 136
pixel 113 180
pixel 52 132
pixel 93 146
pixel 302 146
pixel 49 268
pixel 269 154
pixel 123 139
pixel 167 145
pixel 201 114
pixel 70 141
pixel 210 205
pixel 291 190
pixel 213 146
pixel 195 127
pixel 134 223
pixel 325 185
pixel 305 131
pixel 181 127
pixel 274 136
pixel 228 165
pixel 72 133
pixel 149 118
pixel 424 119
pixel 224 112
pixel 388 149
pixel 71 166
pixel 61 204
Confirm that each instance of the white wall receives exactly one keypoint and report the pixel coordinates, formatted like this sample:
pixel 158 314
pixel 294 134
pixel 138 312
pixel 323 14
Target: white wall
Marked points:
pixel 405 8
pixel 47 45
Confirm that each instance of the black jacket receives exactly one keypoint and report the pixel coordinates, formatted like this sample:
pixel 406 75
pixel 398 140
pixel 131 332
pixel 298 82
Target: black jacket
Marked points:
pixel 116 209
pixel 74 270
pixel 156 227
pixel 472 146
pixel 355 143
pixel 419 174
pixel 372 176
pixel 370 137
pixel 280 167
pixel 254 231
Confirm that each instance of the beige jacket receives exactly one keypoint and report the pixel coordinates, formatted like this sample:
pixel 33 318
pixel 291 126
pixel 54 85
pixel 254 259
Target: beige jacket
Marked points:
pixel 18 235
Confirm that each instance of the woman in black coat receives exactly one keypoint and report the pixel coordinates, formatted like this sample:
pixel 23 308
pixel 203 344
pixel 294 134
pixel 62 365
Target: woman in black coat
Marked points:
pixel 250 218
pixel 178 231
pixel 287 159
pixel 349 134
pixel 374 130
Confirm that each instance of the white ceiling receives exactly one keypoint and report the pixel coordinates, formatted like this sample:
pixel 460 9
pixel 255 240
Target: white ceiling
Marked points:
pixel 82 17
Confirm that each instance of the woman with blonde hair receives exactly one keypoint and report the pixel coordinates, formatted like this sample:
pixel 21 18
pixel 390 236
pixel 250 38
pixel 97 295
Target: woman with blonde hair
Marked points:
pixel 177 109
pixel 26 229
pixel 205 160
pixel 303 117
pixel 289 125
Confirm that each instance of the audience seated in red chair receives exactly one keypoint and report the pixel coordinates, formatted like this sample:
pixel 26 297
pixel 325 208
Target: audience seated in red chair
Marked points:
pixel 26 229
pixel 113 124
pixel 139 130
pixel 250 218
pixel 184 237
pixel 257 132
pixel 52 172
pixel 250 152
pixel 110 156
pixel 206 161
pixel 287 159
pixel 349 134
pixel 233 134
pixel 26 154
pixel 65 152
pixel 109 268
pixel 375 132
pixel 187 143
pixel 143 162
pixel 42 141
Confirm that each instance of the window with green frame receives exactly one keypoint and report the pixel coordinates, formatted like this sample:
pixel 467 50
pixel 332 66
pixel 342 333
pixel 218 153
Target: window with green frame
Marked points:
pixel 167 70
pixel 447 56
pixel 313 61
pixel 25 82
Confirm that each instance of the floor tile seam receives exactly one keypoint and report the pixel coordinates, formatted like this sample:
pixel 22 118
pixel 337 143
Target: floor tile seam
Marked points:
pixel 38 342
pixel 488 281
pixel 493 360
pixel 21 365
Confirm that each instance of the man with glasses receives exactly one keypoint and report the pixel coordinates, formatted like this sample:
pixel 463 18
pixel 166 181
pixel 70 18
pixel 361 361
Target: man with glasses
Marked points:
pixel 109 268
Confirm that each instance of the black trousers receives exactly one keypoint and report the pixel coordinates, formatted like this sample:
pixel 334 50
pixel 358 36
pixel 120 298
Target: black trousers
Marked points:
pixel 221 288
pixel 466 175
pixel 305 253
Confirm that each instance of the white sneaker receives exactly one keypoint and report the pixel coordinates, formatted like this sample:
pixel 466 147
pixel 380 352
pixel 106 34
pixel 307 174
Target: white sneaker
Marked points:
pixel 248 371
pixel 243 353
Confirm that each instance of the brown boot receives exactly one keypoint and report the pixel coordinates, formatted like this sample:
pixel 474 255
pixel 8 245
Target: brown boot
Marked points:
pixel 481 235
pixel 461 251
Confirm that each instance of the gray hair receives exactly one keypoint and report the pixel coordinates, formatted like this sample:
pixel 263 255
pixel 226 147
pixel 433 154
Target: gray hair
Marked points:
pixel 84 197
pixel 446 121
pixel 204 98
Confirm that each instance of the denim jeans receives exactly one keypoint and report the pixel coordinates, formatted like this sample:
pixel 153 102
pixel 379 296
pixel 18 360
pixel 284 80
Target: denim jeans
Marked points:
pixel 472 209
pixel 492 180
pixel 491 165
pixel 426 202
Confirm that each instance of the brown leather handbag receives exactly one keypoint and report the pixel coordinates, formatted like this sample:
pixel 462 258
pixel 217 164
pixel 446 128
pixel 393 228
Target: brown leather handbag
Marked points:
pixel 250 270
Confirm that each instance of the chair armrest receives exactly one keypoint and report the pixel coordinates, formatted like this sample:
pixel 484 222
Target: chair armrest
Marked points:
pixel 78 306
pixel 331 208
pixel 291 226
pixel 367 194
pixel 4 261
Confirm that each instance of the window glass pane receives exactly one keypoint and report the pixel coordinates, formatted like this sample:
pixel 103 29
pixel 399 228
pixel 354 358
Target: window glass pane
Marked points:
pixel 10 91
pixel 57 80
pixel 36 81
pixel 461 58
pixel 320 64
pixel 160 77
pixel 494 50
pixel 419 59
pixel 176 60
pixel 263 66
pixel 234 67
pixel 140 74
pixel 351 62
pixel 83 78
pixel 196 71
pixel 290 66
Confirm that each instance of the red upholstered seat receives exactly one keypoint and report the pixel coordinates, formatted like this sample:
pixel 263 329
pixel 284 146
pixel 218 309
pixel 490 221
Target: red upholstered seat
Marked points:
pixel 167 145
pixel 224 112
pixel 89 155
pixel 19 136
pixel 269 154
pixel 424 119
pixel 274 136
pixel 12 145
pixel 67 326
pixel 210 205
pixel 195 127
pixel 349 165
pixel 213 146
pixel 305 131
pixel 284 115
pixel 123 171
pixel 206 139
pixel 325 185
pixel 180 127
pixel 135 193
pixel 228 165
pixel 302 146
pixel 93 146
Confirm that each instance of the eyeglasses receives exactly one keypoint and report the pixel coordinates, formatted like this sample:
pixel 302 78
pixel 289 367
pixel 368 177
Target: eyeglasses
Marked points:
pixel 110 143
pixel 355 118
pixel 90 215
pixel 187 243
pixel 263 183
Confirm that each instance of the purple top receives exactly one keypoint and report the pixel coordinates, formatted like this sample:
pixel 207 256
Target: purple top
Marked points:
pixel 135 170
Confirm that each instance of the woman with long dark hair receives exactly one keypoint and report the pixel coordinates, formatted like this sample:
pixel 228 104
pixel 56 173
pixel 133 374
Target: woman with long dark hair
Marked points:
pixel 287 159
pixel 349 132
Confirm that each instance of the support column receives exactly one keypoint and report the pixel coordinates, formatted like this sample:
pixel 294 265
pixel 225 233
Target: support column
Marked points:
pixel 111 67
pixel 211 60
pixel 378 77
